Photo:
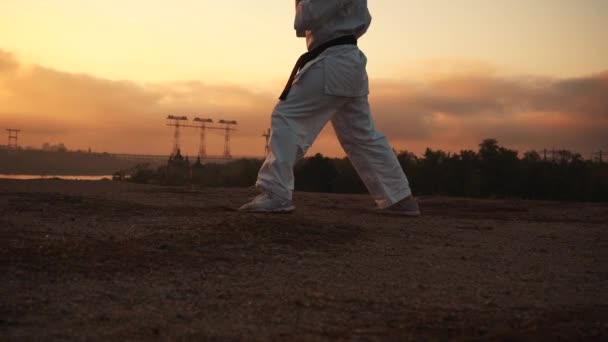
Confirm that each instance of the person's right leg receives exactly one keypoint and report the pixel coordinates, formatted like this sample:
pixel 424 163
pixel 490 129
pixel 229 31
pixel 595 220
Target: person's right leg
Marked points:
pixel 296 122
pixel 371 155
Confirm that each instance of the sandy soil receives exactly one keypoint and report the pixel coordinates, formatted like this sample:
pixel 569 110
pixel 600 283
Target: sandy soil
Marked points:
pixel 115 261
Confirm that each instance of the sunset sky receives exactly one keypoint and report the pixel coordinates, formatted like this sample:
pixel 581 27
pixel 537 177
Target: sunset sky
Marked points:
pixel 444 74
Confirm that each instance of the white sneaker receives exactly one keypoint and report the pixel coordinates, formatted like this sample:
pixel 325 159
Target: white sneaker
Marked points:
pixel 267 203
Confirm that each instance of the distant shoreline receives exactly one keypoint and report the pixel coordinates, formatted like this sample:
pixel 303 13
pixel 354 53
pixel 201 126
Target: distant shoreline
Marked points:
pixel 64 177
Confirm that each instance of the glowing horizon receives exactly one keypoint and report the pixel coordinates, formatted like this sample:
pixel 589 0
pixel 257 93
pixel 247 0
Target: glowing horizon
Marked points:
pixel 444 74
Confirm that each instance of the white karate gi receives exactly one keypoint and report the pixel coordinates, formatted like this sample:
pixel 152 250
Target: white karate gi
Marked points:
pixel 333 87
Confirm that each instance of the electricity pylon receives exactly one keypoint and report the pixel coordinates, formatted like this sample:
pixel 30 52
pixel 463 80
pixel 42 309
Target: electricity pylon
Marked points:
pixel 177 122
pixel 13 138
pixel 227 131
pixel 202 150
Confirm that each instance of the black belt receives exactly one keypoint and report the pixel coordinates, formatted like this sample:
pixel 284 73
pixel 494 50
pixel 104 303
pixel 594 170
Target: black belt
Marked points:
pixel 312 54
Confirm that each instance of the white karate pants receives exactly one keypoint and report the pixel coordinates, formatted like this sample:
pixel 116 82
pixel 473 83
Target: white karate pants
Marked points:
pixel 297 121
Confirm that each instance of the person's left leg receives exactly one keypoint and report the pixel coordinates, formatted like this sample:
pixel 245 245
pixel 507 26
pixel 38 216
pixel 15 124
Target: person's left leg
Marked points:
pixel 296 122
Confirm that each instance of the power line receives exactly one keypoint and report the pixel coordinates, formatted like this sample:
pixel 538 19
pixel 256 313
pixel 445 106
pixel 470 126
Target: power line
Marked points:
pixel 179 122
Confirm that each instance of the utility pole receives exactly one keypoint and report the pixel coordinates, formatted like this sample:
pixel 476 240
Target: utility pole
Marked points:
pixel 553 152
pixel 13 138
pixel 227 132
pixel 202 151
pixel 176 121
pixel 600 155
pixel 266 135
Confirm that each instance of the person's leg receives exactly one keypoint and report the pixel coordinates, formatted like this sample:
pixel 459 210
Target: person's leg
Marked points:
pixel 296 122
pixel 371 155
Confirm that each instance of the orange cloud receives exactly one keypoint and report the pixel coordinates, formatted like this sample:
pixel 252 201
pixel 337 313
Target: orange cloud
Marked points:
pixel 457 111
pixel 451 112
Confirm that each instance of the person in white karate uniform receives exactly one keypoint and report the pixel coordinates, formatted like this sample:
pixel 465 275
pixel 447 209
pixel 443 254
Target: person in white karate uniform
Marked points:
pixel 330 83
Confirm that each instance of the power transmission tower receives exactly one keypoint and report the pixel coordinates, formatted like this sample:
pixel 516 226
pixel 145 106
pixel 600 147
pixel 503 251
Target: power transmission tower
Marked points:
pixel 176 121
pixel 266 135
pixel 227 132
pixel 553 153
pixel 13 138
pixel 202 150
pixel 599 155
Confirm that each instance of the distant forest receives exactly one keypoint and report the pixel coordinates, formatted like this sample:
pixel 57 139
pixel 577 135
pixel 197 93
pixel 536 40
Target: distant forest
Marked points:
pixel 491 172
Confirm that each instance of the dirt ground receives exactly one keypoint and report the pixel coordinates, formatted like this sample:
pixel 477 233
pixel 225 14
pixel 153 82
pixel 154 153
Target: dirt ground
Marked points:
pixel 115 261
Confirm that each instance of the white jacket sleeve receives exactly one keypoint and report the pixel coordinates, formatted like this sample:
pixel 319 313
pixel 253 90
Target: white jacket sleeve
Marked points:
pixel 311 14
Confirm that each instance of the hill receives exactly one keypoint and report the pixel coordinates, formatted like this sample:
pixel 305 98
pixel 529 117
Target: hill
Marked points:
pixel 39 162
pixel 117 261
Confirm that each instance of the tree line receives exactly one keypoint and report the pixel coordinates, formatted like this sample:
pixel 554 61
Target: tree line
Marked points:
pixel 491 172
